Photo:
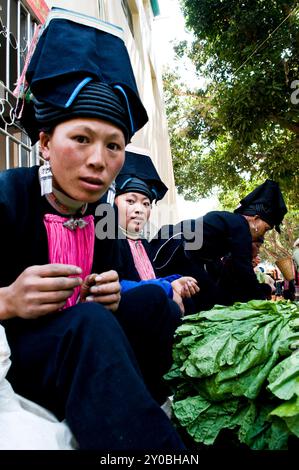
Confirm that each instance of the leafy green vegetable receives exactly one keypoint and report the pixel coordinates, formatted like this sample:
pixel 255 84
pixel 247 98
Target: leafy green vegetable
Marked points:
pixel 238 368
pixel 284 378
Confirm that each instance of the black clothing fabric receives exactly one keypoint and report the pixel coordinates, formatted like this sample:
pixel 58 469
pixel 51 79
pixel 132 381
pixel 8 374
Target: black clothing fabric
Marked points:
pixel 79 364
pixel 138 170
pixel 224 235
pixel 290 292
pixel 265 201
pixel 100 371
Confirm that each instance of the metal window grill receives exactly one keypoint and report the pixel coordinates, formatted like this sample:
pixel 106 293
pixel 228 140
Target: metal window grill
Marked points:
pixel 16 30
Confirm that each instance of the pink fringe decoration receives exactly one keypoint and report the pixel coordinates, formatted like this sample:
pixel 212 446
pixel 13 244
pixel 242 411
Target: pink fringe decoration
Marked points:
pixel 71 246
pixel 141 260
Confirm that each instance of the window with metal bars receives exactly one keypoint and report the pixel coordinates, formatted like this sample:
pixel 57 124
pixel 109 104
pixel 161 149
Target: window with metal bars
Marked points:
pixel 16 30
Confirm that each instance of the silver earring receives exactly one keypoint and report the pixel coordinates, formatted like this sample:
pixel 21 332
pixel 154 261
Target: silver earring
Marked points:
pixel 45 177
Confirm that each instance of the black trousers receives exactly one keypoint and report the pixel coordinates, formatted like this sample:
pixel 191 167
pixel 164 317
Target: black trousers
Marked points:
pixel 101 371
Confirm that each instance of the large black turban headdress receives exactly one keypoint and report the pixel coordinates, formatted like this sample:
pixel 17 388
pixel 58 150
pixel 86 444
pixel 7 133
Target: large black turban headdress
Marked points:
pixel 139 175
pixel 80 67
pixel 267 202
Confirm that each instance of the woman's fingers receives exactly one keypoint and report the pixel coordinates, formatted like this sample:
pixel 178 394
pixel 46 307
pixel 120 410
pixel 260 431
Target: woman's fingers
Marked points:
pixel 51 277
pixel 105 289
pixel 51 297
pixel 38 287
pixel 54 270
pixel 193 287
pixel 107 277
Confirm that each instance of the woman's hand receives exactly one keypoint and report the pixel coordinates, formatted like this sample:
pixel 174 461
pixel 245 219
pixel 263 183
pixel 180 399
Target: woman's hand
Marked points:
pixel 103 288
pixel 39 290
pixel 185 286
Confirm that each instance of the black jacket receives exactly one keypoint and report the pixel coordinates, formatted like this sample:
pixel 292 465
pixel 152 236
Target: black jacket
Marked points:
pixel 219 257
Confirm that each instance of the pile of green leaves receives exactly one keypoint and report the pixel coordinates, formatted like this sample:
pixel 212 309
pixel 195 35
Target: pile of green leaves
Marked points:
pixel 238 368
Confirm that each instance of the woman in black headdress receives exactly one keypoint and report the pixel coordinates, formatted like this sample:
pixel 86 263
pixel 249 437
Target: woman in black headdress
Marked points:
pixel 137 186
pixel 221 258
pixel 97 363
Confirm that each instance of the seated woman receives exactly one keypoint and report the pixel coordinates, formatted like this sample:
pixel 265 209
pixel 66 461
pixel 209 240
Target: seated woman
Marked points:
pixel 97 364
pixel 223 235
pixel 137 186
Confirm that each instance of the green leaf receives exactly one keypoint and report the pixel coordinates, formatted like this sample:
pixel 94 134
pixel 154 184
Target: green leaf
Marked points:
pixel 284 378
pixel 289 412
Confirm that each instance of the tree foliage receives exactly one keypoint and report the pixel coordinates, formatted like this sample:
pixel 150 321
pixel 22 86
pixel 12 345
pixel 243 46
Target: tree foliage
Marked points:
pixel 280 245
pixel 244 126
pixel 187 151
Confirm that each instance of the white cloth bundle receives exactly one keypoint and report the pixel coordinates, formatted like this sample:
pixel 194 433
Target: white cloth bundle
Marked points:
pixel 24 425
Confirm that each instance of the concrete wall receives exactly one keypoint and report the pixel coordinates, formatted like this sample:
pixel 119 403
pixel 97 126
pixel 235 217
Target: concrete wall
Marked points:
pixel 154 135
pixel 89 7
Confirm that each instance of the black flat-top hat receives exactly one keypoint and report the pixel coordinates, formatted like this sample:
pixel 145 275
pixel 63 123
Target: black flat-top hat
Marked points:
pixel 73 52
pixel 267 202
pixel 139 175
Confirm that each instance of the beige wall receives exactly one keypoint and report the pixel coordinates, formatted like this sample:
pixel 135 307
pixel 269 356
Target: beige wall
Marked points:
pixel 154 135
pixel 89 7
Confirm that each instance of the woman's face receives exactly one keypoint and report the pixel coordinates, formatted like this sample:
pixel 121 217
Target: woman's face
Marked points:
pixel 134 210
pixel 258 228
pixel 85 154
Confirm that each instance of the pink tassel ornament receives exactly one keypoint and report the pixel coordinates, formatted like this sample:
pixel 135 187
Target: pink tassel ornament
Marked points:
pixel 71 246
pixel 141 260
